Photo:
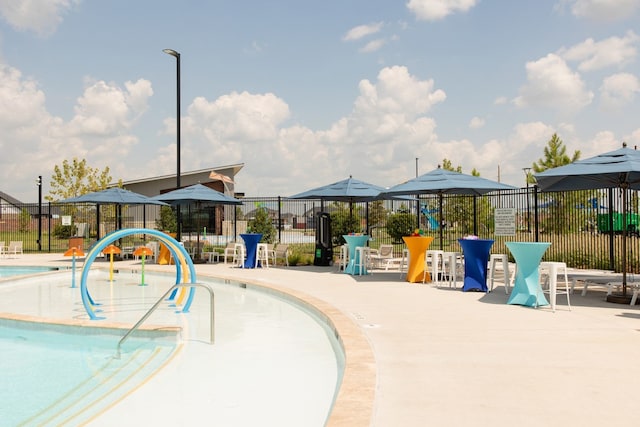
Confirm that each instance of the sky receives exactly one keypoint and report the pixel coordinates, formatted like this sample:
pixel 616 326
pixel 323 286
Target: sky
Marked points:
pixel 307 93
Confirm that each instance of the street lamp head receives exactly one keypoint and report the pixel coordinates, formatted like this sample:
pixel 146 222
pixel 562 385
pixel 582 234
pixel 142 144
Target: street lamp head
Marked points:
pixel 171 52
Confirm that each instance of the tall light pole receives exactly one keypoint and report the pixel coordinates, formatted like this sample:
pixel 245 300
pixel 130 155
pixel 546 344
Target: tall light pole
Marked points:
pixel 527 171
pixel 177 56
pixel 417 199
pixel 39 213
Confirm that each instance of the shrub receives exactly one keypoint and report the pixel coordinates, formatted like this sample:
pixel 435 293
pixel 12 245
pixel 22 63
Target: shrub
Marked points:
pixel 343 223
pixel 399 225
pixel 64 231
pixel 262 224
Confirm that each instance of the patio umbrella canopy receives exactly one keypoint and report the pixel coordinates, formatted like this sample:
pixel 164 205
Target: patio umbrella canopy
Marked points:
pixel 196 193
pixel 614 169
pixel 441 181
pixel 113 196
pixel 348 190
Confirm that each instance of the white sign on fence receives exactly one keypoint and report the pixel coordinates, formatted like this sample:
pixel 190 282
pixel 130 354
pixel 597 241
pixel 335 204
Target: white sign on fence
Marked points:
pixel 505 222
pixel 66 219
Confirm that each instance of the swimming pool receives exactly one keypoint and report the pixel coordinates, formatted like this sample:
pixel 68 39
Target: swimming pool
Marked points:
pixel 52 377
pixel 10 271
pixel 272 360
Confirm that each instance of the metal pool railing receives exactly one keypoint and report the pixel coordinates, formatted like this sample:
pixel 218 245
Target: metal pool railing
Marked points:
pixel 162 298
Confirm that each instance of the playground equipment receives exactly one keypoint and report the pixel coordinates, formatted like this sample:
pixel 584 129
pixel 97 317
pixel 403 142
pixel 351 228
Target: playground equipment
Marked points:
pixel 142 252
pixel 605 221
pixel 73 252
pixel 433 222
pixel 111 250
pixel 185 270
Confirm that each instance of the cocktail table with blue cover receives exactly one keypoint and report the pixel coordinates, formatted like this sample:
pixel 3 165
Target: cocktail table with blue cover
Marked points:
pixel 526 287
pixel 476 259
pixel 251 241
pixel 354 241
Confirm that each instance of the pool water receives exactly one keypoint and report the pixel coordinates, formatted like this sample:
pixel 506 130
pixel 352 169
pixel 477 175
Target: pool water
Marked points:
pixel 52 377
pixel 10 271
pixel 272 359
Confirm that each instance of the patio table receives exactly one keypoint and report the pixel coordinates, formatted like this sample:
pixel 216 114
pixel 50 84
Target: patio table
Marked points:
pixel 354 241
pixel 251 244
pixel 526 287
pixel 476 259
pixel 417 246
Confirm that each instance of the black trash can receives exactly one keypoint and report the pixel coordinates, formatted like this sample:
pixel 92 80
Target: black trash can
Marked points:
pixel 324 249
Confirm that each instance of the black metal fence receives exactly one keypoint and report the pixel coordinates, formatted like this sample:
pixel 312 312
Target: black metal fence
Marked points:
pixel 586 228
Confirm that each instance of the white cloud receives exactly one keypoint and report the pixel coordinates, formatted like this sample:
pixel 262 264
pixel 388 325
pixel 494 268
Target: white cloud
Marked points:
pixel 21 101
pixel 634 138
pixel 476 123
pixel 356 33
pixel 552 84
pixel 40 16
pixel 100 131
pixel 105 109
pixel 373 45
pixel 433 10
pixel 619 90
pixel 614 51
pixel 603 10
pixel 389 118
pixel 398 92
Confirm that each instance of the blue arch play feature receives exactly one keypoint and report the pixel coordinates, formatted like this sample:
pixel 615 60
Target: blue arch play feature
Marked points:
pixel 185 270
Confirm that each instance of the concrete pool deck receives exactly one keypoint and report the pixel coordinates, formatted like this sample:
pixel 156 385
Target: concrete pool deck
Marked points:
pixel 436 356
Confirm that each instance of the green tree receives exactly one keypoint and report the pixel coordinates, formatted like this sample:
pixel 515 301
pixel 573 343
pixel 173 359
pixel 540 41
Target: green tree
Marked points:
pixel 400 224
pixel 344 221
pixel 377 213
pixel 261 223
pixel 168 221
pixel 76 178
pixel 555 154
pixel 458 210
pixel 24 220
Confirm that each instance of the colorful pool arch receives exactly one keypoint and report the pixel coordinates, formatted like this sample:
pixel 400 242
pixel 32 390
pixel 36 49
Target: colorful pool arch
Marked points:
pixel 185 270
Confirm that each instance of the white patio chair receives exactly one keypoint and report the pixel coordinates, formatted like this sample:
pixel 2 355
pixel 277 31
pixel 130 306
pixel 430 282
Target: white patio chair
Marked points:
pixel 281 252
pixel 383 257
pixel 15 247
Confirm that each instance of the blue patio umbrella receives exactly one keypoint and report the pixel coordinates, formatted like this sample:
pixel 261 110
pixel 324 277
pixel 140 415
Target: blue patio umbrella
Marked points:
pixel 112 196
pixel 348 190
pixel 441 181
pixel 614 169
pixel 196 193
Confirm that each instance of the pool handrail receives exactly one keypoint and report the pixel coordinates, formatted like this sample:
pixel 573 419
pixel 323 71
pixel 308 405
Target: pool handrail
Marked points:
pixel 162 298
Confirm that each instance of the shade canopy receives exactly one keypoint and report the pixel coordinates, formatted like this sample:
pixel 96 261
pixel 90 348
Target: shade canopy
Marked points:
pixel 114 196
pixel 196 193
pixel 614 169
pixel 348 190
pixel 442 181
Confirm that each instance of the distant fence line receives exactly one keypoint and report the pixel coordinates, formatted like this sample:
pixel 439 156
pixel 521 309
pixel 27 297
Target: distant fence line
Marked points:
pixel 584 227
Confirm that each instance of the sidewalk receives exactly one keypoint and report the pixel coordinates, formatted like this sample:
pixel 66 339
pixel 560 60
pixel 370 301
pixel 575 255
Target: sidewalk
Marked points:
pixel 444 357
